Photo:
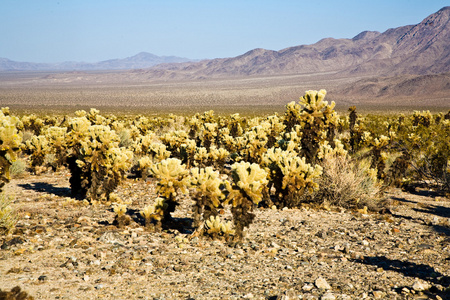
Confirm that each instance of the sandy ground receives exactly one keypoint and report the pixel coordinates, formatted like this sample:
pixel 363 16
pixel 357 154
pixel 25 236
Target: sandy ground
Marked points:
pixel 62 249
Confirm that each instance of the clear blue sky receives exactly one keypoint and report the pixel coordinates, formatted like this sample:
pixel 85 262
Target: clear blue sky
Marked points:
pixel 95 30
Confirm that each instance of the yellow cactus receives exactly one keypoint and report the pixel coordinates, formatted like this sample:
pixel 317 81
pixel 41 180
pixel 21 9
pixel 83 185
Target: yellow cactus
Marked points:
pixel 299 175
pixel 201 156
pixel 155 211
pixel 120 209
pixel 250 179
pixel 10 140
pixel 172 176
pixel 327 151
pixel 216 227
pixel 206 183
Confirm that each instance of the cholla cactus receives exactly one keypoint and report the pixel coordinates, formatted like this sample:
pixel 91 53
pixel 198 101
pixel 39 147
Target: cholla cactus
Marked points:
pixel 10 140
pixel 154 213
pixel 32 123
pixel 218 157
pixel 95 118
pixel 201 157
pixel 235 126
pixel 155 153
pixel 208 134
pixel 327 151
pixel 38 148
pixel 274 129
pixel 215 227
pixel 56 137
pixel 172 177
pixel 317 119
pixel 423 118
pixel 225 140
pixel 121 219
pixel 249 181
pixel 298 176
pixel 120 209
pixel 174 140
pixel 207 193
pixel 143 144
pixel 290 175
pixel 96 162
pixel 255 142
pixel 379 156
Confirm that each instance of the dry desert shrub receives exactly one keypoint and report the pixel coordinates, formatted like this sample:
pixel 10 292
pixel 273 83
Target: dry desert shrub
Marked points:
pixel 18 168
pixel 347 183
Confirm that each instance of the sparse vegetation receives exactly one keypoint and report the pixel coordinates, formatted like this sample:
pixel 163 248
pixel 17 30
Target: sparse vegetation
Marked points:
pixel 210 177
pixel 310 154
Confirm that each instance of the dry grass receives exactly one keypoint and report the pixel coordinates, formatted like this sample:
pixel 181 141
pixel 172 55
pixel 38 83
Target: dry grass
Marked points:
pixel 347 183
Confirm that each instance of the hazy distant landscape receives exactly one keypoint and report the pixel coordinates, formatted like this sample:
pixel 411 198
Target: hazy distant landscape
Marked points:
pixel 403 68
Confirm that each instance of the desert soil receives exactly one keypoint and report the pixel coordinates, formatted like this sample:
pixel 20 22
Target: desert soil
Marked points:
pixel 62 249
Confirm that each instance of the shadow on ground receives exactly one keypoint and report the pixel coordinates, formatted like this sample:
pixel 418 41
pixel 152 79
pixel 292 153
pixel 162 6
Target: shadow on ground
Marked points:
pixel 413 270
pixel 44 187
pixel 429 209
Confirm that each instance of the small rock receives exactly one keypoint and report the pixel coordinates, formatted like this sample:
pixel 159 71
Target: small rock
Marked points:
pixel 322 234
pixel 328 296
pixel 418 286
pixel 42 278
pixel 322 284
pixel 378 294
pixel 287 295
pixel 307 287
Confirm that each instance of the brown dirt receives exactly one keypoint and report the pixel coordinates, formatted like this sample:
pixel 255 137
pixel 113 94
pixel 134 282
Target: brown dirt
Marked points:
pixel 64 250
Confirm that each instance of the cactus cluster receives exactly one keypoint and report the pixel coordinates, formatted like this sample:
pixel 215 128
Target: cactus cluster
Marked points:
pixel 173 179
pixel 96 162
pixel 245 191
pixel 229 165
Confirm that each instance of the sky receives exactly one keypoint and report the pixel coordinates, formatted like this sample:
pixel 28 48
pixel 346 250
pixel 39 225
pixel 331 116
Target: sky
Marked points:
pixel 94 30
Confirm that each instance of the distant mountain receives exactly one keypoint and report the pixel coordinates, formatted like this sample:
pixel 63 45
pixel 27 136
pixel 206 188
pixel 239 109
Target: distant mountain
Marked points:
pixel 138 61
pixel 414 49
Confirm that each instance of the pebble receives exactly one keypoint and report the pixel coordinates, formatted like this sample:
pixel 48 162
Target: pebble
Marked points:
pixel 418 286
pixel 328 296
pixel 322 284
pixel 270 259
pixel 378 294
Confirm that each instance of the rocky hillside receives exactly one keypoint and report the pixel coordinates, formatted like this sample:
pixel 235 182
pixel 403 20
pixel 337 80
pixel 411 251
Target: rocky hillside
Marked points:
pixel 414 49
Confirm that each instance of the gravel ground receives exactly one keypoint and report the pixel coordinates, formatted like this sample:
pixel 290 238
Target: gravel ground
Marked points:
pixel 62 249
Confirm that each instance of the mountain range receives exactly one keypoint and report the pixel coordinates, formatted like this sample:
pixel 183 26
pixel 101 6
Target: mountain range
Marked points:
pixel 140 60
pixel 421 49
pixel 406 65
